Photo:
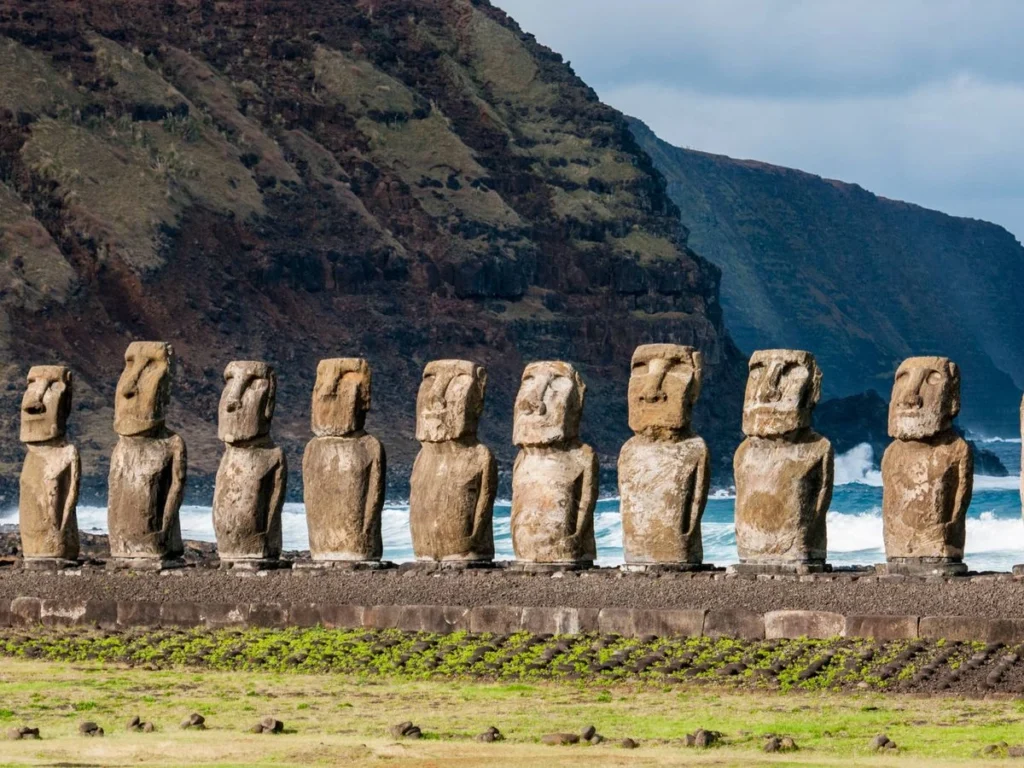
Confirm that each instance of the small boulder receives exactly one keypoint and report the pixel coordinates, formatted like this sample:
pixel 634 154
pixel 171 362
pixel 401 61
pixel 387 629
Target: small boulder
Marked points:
pixel 89 728
pixel 28 733
pixel 559 739
pixel 879 742
pixel 689 740
pixel 14 733
pixel 195 720
pixel 788 745
pixel 1017 751
pixel 774 744
pixel 405 730
pixel 271 725
pixel 148 727
pixel 258 728
pixel 703 739
pixel 135 724
pixel 490 735
pixel 628 744
pixel 596 739
pixel 588 732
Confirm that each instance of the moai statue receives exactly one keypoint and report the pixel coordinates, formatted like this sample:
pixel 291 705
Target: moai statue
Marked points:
pixel 455 477
pixel 50 476
pixel 148 465
pixel 343 469
pixel 927 471
pixel 555 477
pixel 664 470
pixel 783 469
pixel 249 493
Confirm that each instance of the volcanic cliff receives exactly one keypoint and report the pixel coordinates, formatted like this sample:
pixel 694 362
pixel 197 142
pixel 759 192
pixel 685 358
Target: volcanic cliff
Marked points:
pixel 286 181
pixel 861 280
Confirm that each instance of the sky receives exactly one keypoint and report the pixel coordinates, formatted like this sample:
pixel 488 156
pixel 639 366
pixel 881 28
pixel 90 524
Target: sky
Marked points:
pixel 917 100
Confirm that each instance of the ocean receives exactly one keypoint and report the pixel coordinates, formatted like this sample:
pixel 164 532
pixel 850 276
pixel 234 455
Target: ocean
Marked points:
pixel 995 531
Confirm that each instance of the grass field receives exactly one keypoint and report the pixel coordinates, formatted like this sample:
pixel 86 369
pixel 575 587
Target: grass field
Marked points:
pixel 342 718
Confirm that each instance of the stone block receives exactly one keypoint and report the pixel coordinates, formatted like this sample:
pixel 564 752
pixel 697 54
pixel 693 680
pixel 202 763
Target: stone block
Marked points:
pixel 497 619
pixel 217 615
pixel 305 615
pixel 25 611
pixel 560 621
pixel 734 622
pixel 140 613
pixel 811 624
pixel 966 628
pixel 5 613
pixel 67 613
pixel 343 616
pixel 882 627
pixel 181 615
pixel 269 615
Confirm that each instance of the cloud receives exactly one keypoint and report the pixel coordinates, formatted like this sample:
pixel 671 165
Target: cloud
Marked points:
pixel 919 100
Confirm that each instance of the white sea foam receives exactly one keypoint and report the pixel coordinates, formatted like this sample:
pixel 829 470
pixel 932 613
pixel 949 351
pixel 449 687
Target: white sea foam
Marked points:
pixel 857 466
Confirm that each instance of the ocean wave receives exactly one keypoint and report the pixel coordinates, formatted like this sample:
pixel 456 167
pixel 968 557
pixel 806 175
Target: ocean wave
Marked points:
pixel 857 465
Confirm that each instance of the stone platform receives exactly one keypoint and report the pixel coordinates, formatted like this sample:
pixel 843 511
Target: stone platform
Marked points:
pixel 984 607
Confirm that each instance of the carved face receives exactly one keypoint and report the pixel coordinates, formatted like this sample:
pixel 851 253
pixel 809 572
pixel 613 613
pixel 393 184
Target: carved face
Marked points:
pixel 450 400
pixel 663 386
pixel 549 404
pixel 783 387
pixel 247 403
pixel 341 396
pixel 925 398
pixel 46 403
pixel 144 389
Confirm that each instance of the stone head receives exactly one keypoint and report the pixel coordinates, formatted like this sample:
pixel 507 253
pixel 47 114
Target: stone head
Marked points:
pixel 144 389
pixel 450 400
pixel 925 398
pixel 341 396
pixel 549 404
pixel 783 386
pixel 664 383
pixel 46 403
pixel 247 403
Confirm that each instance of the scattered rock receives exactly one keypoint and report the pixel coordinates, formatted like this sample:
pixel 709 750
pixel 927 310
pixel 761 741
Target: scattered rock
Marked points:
pixel 1017 751
pixel 491 734
pixel 194 720
pixel 559 739
pixel 135 724
pixel 881 741
pixel 596 739
pixel 629 744
pixel 148 727
pixel 774 744
pixel 268 725
pixel 788 745
pixel 405 730
pixel 689 740
pixel 89 728
pixel 258 728
pixel 14 733
pixel 587 733
pixel 703 739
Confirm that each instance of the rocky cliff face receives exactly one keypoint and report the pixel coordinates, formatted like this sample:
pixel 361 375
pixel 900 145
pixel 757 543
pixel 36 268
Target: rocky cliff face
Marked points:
pixel 398 179
pixel 860 280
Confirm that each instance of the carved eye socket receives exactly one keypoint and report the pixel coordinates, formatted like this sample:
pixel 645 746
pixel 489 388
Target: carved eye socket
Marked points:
pixel 935 378
pixel 640 367
pixel 901 375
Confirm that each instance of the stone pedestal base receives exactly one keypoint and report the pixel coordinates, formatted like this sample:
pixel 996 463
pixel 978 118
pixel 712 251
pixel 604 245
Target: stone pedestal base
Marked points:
pixel 433 566
pixel 666 567
pixel 48 564
pixel 251 566
pixel 922 566
pixel 342 565
pixel 143 564
pixel 524 567
pixel 780 569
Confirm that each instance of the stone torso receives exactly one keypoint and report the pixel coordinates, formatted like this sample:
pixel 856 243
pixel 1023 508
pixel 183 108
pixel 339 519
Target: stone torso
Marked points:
pixel 927 489
pixel 47 481
pixel 663 486
pixel 141 479
pixel 783 490
pixel 343 489
pixel 247 502
pixel 552 509
pixel 451 499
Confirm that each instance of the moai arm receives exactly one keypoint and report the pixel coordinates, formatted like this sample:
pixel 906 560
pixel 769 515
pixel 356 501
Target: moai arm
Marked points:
pixel 588 492
pixel 964 488
pixel 71 501
pixel 179 469
pixel 277 495
pixel 376 487
pixel 701 486
pixel 485 499
pixel 828 471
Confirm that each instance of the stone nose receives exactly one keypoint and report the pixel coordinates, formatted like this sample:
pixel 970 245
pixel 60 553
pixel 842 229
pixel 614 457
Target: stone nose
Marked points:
pixel 770 390
pixel 652 391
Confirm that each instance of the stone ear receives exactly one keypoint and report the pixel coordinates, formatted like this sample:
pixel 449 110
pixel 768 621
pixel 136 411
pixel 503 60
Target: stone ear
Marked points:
pixel 581 387
pixel 480 374
pixel 268 407
pixel 697 361
pixel 954 377
pixel 815 385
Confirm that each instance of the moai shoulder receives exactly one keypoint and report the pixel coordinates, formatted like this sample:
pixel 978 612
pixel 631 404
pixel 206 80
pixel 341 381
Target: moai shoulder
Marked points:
pixel 454 478
pixel 51 473
pixel 664 469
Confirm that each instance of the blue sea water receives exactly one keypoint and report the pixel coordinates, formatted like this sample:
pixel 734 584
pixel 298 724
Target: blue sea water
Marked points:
pixel 995 531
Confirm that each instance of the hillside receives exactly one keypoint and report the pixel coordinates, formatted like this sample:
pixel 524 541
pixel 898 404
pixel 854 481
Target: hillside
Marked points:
pixel 860 280
pixel 398 179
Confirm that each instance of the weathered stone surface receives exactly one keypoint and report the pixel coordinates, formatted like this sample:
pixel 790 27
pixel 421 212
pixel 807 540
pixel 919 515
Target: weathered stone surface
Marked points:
pixel 632 622
pixel 734 622
pixel 966 628
pixel 47 518
pixel 498 619
pixel 555 477
pixel 140 613
pixel 267 615
pixel 664 470
pixel 25 611
pixel 882 627
pixel 812 624
pixel 559 621
pixel 343 468
pixel 58 613
pixel 250 487
pixel 455 477
pixel 149 462
pixel 343 616
pixel 928 470
pixel 783 470
pixel 414 618
pixel 305 615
